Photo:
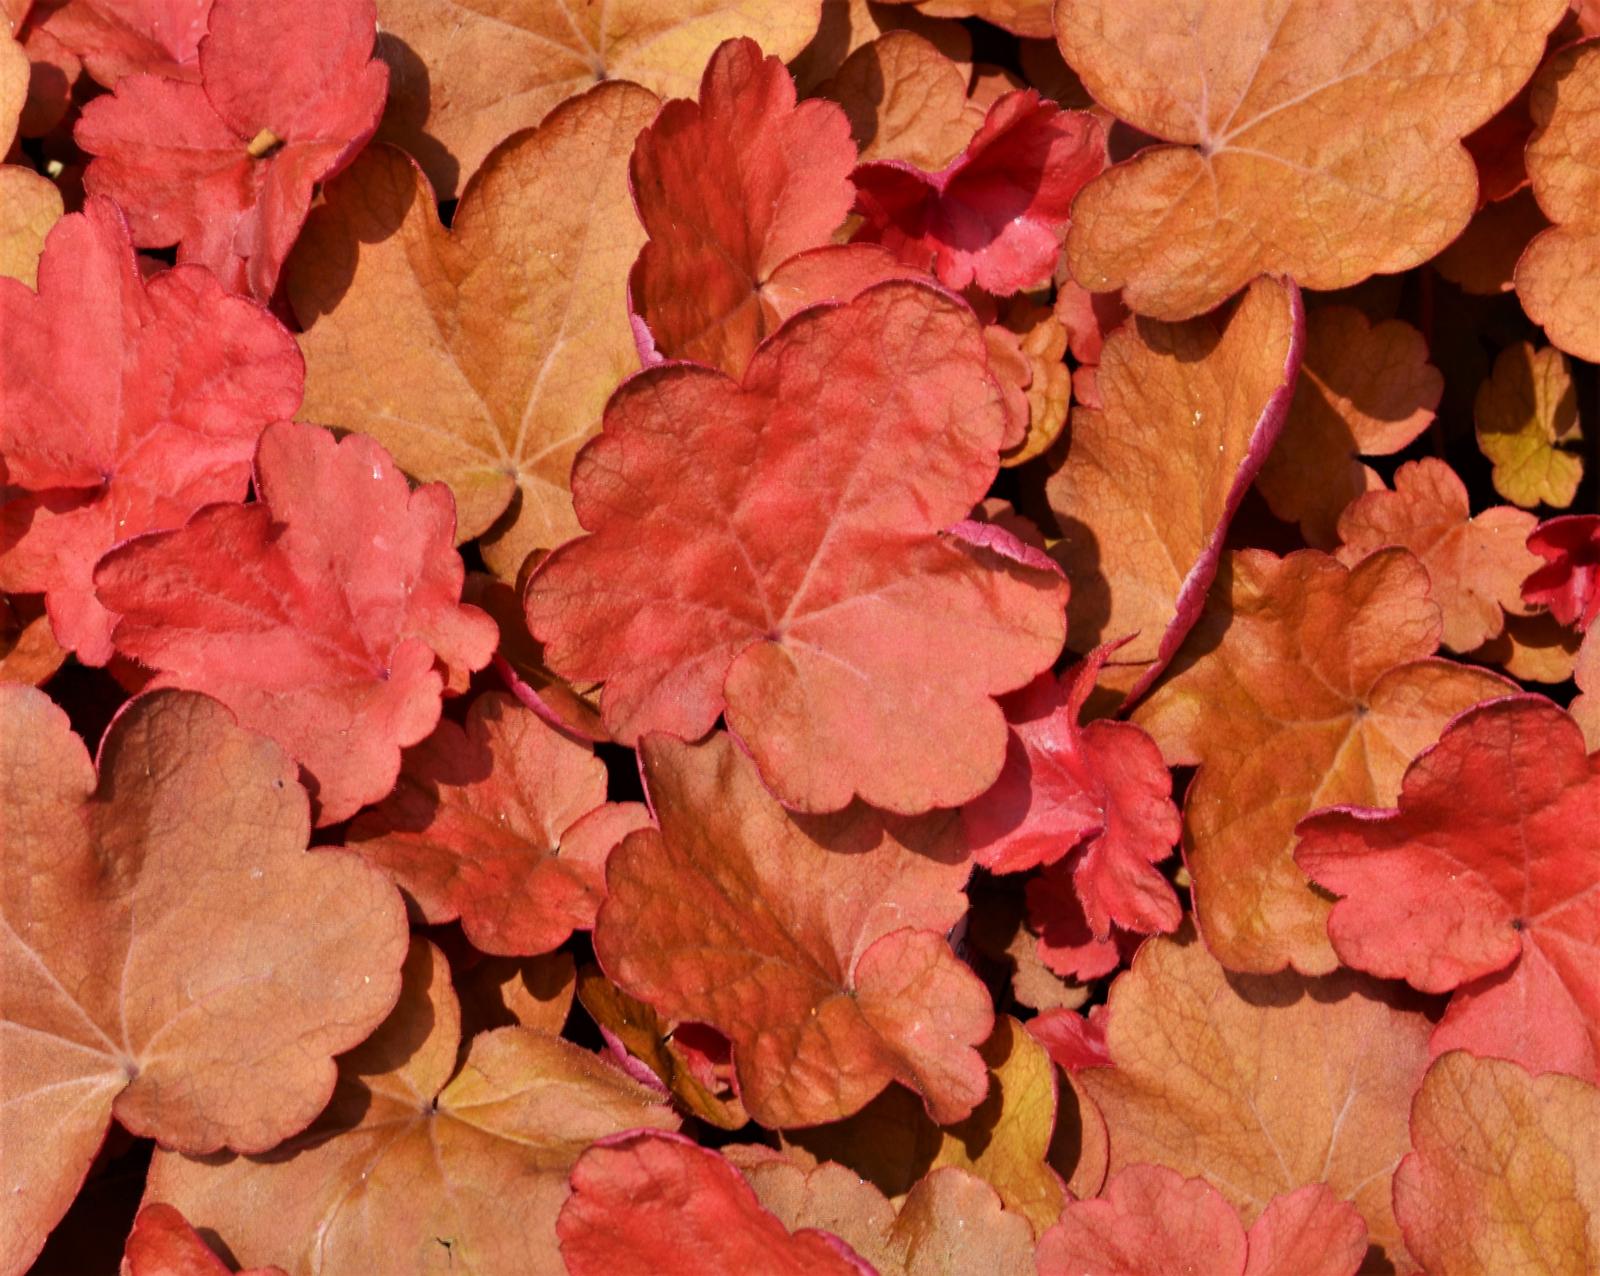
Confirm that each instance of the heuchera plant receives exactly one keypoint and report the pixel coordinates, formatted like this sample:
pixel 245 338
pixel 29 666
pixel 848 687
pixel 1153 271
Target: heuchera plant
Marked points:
pixel 851 637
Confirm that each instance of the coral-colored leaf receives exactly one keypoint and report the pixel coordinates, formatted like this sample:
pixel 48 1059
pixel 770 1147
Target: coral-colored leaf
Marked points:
pixel 163 1244
pixel 29 653
pixel 29 206
pixel 644 1204
pixel 421 1158
pixel 994 214
pixel 905 100
pixel 114 38
pixel 1476 563
pixel 1568 582
pixel 949 1224
pixel 171 955
pixel 1102 785
pixel 1325 146
pixel 1495 897
pixel 225 168
pixel 507 65
pixel 713 246
pixel 1043 340
pixel 847 25
pixel 1152 1219
pixel 1310 684
pixel 1555 276
pixel 815 944
pixel 1536 648
pixel 1189 413
pixel 317 614
pixel 124 407
pixel 1527 417
pixel 1005 1142
pixel 749 556
pixel 481 356
pixel 502 822
pixel 1262 1086
pixel 1365 389
pixel 1505 1172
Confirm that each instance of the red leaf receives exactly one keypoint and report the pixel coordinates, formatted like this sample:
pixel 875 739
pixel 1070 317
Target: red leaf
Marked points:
pixel 993 216
pixel 115 38
pixel 815 944
pixel 317 614
pixel 225 168
pixel 503 823
pixel 124 407
pixel 782 186
pixel 1569 583
pixel 163 1244
pixel 649 1204
pixel 1494 896
pixel 750 557
pixel 1103 786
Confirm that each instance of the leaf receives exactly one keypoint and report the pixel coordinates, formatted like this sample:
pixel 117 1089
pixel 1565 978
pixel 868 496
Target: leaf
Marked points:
pixel 502 992
pixel 993 215
pixel 1323 147
pixel 124 407
pixel 949 1224
pixel 428 1163
pixel 905 100
pixel 1585 706
pixel 1365 389
pixel 1188 413
pixel 645 1203
pixel 699 281
pixel 502 822
pixel 847 25
pixel 893 1143
pixel 163 1244
pixel 1553 275
pixel 29 653
pixel 1067 943
pixel 317 614
pixel 14 73
pixel 1495 897
pixel 1504 1175
pixel 1102 785
pixel 511 327
pixel 1307 685
pixel 1527 418
pixel 225 168
pixel 507 67
pixel 1043 339
pixel 1020 17
pixel 1483 261
pixel 29 206
pixel 793 569
pixel 1568 582
pixel 1260 1085
pixel 1476 564
pixel 115 38
pixel 170 954
pixel 1533 648
pixel 1150 1218
pixel 816 945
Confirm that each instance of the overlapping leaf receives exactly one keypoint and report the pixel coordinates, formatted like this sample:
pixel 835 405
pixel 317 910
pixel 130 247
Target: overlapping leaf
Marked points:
pixel 420 1159
pixel 815 944
pixel 114 38
pixel 905 101
pixel 169 954
pixel 225 167
pixel 847 25
pixel 1188 414
pixel 1325 146
pixel 465 75
pixel 503 823
pixel 746 559
pixel 163 1244
pixel 326 615
pixel 124 407
pixel 1494 897
pixel 1309 685
pixel 1527 417
pixel 1568 582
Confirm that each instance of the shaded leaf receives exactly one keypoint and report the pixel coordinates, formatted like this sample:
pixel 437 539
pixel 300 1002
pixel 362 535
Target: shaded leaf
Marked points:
pixel 1527 418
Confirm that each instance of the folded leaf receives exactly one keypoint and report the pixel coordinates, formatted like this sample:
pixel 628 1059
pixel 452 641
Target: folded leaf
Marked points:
pixel 171 956
pixel 317 614
pixel 1568 583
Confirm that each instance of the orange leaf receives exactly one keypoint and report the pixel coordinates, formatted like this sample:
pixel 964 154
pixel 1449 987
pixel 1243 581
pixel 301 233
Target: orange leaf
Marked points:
pixel 508 65
pixel 1189 412
pixel 1020 17
pixel 163 1244
pixel 1262 1086
pixel 29 652
pixel 1527 419
pixel 1505 1175
pixel 171 955
pixel 1365 389
pixel 481 356
pixel 1309 685
pixel 1476 564
pixel 1321 144
pixel 849 24
pixel 419 1163
pixel 1483 261
pixel 816 944
pixel 905 100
